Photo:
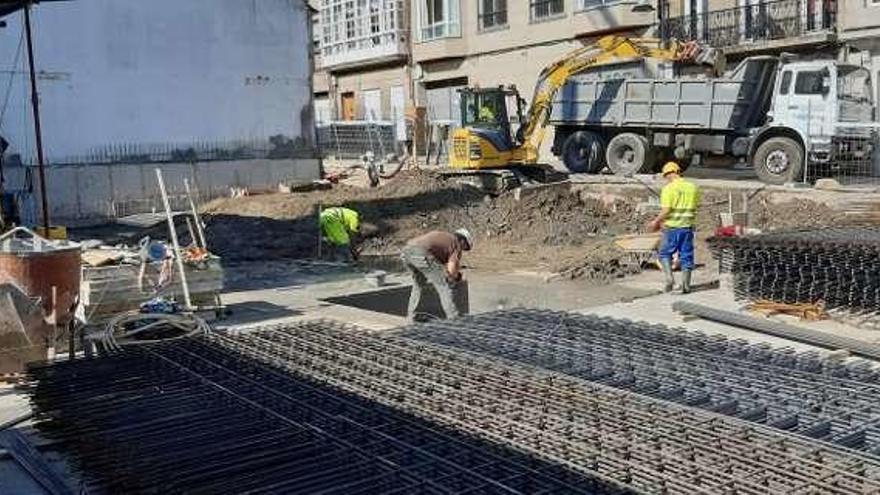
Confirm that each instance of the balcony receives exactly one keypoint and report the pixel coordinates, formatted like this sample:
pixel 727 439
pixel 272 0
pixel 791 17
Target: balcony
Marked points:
pixel 364 51
pixel 771 25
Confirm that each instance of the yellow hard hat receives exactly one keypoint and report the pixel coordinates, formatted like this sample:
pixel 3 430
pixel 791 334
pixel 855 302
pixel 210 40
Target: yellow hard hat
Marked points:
pixel 671 168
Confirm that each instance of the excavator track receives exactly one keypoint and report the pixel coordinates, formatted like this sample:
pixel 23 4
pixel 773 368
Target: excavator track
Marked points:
pixel 498 181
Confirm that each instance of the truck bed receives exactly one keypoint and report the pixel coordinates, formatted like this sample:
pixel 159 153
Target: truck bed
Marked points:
pixel 726 104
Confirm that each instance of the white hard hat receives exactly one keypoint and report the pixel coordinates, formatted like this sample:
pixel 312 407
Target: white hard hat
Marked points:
pixel 467 237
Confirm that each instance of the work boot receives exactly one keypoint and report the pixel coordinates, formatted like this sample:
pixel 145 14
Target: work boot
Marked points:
pixel 667 273
pixel 685 281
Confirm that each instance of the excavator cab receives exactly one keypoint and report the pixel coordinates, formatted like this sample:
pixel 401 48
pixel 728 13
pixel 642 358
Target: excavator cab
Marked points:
pixel 485 139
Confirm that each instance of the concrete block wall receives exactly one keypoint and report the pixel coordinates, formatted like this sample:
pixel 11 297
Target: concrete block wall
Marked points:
pixel 93 194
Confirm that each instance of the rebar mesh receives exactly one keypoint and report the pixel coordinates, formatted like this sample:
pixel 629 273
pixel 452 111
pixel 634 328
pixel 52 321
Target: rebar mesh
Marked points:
pixel 200 418
pixel 147 415
pixel 836 267
pixel 625 439
pixel 777 387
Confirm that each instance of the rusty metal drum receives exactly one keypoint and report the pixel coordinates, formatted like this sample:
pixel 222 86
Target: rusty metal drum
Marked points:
pixel 44 269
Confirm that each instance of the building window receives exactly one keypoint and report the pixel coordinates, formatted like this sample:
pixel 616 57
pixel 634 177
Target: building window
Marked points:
pixel 493 13
pixel 353 30
pixel 543 9
pixel 316 33
pixel 438 19
pixel 587 4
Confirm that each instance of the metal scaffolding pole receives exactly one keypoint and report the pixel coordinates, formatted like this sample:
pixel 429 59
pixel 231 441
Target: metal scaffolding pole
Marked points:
pixel 35 105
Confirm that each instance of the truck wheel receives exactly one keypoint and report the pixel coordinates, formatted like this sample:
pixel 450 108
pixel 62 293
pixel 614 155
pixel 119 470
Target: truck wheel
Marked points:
pixel 628 154
pixel 778 160
pixel 584 152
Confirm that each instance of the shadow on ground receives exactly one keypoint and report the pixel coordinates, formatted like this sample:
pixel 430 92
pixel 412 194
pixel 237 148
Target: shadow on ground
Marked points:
pixel 256 311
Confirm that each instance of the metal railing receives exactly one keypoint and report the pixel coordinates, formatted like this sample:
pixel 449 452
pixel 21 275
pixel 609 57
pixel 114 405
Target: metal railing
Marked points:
pixel 765 21
pixel 352 139
pixel 276 147
pixel 851 161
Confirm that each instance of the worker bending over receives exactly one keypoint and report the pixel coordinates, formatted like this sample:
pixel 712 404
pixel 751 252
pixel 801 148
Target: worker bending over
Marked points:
pixel 435 258
pixel 679 201
pixel 339 228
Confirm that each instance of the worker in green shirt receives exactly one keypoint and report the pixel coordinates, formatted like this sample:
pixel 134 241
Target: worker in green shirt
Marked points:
pixel 487 114
pixel 679 201
pixel 339 228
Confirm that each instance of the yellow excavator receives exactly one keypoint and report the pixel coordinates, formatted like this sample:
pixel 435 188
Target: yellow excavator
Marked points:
pixel 484 147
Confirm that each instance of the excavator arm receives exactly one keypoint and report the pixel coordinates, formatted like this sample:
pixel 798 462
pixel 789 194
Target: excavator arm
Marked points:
pixel 607 50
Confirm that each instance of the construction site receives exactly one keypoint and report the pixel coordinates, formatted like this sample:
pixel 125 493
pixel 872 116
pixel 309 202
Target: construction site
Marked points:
pixel 676 290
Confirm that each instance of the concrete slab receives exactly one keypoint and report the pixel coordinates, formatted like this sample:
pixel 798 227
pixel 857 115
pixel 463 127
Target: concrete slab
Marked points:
pixel 289 291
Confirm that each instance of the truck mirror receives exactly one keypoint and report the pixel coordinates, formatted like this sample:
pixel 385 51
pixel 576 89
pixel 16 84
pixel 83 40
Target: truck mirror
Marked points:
pixel 826 85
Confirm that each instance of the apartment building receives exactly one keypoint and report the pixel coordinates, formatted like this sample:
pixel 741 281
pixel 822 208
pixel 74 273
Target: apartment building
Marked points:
pixel 749 27
pixel 376 56
pixel 859 27
pixel 491 42
pixel 362 50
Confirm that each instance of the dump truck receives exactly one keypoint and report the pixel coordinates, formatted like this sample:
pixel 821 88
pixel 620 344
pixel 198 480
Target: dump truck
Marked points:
pixel 772 113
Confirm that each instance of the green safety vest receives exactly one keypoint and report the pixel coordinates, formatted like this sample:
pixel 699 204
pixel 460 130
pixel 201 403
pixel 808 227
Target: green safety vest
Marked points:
pixel 682 198
pixel 337 224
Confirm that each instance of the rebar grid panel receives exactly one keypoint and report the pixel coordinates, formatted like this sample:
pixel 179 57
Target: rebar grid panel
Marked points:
pixel 835 267
pixel 798 392
pixel 197 418
pixel 639 443
pixel 852 157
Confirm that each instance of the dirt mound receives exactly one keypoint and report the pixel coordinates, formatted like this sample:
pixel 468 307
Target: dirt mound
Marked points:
pixel 796 213
pixel 603 262
pixel 551 229
pixel 544 229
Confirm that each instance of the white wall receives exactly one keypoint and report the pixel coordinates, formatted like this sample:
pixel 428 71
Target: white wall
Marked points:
pixel 158 71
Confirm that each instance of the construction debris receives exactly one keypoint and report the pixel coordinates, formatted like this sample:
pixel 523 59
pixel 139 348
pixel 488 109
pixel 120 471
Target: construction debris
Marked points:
pixel 803 311
pixel 110 290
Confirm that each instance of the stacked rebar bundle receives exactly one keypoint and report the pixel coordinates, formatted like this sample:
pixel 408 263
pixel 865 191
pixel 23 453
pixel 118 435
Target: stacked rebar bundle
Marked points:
pixel 836 267
pixel 802 393
pixel 193 417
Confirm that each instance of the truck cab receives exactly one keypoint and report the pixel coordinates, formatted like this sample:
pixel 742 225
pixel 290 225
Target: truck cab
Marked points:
pixel 820 110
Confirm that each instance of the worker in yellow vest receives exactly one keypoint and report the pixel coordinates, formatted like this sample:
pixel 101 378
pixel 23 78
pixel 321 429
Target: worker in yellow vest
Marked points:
pixel 679 201
pixel 339 229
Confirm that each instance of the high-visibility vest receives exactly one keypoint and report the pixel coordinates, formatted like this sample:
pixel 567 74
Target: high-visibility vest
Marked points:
pixel 338 223
pixel 682 198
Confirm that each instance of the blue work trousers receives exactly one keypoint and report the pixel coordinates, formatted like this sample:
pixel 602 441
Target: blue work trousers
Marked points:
pixel 681 241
